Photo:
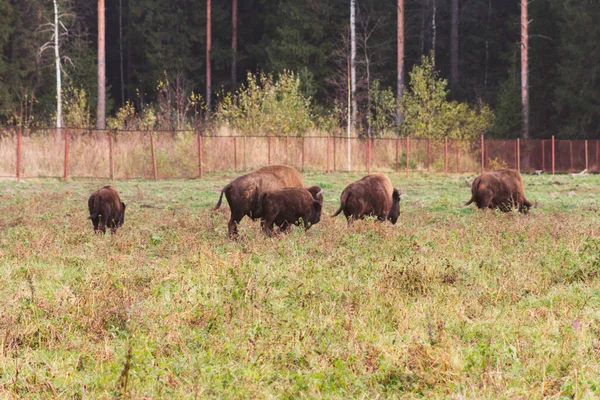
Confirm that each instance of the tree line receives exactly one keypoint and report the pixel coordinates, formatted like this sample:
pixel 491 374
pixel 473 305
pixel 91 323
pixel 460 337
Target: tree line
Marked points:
pixel 156 54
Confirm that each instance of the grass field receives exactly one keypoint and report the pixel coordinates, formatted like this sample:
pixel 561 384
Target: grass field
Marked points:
pixel 449 302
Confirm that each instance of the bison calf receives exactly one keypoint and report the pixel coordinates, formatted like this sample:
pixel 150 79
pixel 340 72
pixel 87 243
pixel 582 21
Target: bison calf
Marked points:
pixel 106 209
pixel 283 207
pixel 501 189
pixel 373 196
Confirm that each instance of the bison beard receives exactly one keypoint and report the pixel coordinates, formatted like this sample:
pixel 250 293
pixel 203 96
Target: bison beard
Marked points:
pixel 106 209
pixel 502 189
pixel 243 193
pixel 287 206
pixel 372 195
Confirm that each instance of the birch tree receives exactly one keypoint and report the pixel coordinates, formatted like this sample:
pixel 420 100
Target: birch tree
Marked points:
pixel 524 68
pixel 101 109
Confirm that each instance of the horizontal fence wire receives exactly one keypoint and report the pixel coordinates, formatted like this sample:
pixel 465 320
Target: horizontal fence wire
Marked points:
pixel 161 154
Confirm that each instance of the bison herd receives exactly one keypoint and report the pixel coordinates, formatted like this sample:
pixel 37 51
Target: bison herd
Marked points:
pixel 277 196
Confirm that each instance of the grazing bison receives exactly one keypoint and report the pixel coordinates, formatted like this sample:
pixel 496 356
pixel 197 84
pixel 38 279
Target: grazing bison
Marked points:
pixel 374 196
pixel 106 209
pixel 501 189
pixel 243 193
pixel 283 207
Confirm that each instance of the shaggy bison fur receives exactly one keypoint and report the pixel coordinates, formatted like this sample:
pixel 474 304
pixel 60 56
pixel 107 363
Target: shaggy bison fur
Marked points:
pixel 106 209
pixel 501 189
pixel 374 196
pixel 283 207
pixel 243 193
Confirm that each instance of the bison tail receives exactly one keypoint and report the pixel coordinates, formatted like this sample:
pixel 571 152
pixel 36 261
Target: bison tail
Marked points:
pixel 344 199
pixel 469 202
pixel 221 197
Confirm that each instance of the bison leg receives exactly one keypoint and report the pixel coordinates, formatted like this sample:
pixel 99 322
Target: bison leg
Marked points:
pixel 285 227
pixel 95 222
pixel 102 225
pixel 267 227
pixel 232 226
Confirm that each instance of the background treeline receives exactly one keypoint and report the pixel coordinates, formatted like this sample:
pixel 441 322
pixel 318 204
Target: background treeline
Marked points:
pixel 297 53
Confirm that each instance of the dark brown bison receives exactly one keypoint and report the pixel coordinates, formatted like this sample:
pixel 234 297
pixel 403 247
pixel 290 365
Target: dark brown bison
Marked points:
pixel 283 207
pixel 501 189
pixel 373 196
pixel 243 193
pixel 106 209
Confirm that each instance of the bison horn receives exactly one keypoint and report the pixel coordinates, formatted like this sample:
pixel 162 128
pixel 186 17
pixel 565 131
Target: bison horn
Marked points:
pixel 319 195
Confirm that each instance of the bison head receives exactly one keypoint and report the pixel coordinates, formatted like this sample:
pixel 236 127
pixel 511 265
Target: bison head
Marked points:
pixel 122 219
pixel 315 212
pixel 395 209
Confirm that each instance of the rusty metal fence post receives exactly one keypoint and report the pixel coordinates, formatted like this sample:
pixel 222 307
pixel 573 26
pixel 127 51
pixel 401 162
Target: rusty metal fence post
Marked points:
pixel 234 154
pixel 446 155
pixel 482 154
pixel 199 143
pixel 586 155
pixel 328 151
pixel 367 154
pixel 269 150
pixel 111 162
pixel 287 151
pixel 66 167
pixel 334 153
pixel 518 154
pixel 19 139
pixel 407 154
pixel 543 155
pixel 154 171
pixel 397 160
pixel 571 154
pixel 552 154
pixel 428 154
pixel 302 153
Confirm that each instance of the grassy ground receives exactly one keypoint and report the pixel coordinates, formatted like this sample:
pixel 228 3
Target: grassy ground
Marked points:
pixel 450 302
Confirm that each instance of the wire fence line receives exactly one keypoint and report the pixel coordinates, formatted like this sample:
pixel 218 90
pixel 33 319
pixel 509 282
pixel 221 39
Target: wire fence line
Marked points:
pixel 152 154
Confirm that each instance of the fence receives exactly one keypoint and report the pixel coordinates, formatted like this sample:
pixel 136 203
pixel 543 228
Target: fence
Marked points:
pixel 28 153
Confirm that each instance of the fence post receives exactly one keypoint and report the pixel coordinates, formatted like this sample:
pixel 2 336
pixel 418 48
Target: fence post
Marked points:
pixel 552 154
pixel 154 172
pixel 367 154
pixel 199 140
pixel 287 150
pixel 586 155
pixel 518 154
pixel 397 160
pixel 427 154
pixel 234 154
pixel 269 150
pixel 111 160
pixel 334 153
pixel 571 154
pixel 302 153
pixel 515 154
pixel 482 154
pixel 446 155
pixel 597 154
pixel 543 155
pixel 66 169
pixel 328 150
pixel 19 138
pixel 457 163
pixel 407 154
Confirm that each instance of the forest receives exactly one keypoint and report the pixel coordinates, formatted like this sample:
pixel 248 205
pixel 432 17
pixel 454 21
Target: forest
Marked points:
pixel 298 52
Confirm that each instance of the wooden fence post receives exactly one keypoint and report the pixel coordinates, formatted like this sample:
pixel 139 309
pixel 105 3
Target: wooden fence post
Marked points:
pixel 66 168
pixel 269 150
pixel 334 153
pixel 234 154
pixel 302 153
pixel 518 154
pixel 597 147
pixel 482 154
pixel 397 160
pixel 515 154
pixel 199 140
pixel 328 151
pixel 552 154
pixel 287 151
pixel 446 155
pixel 111 159
pixel 543 155
pixel 586 155
pixel 154 171
pixel 428 153
pixel 571 154
pixel 19 138
pixel 407 154
pixel 457 162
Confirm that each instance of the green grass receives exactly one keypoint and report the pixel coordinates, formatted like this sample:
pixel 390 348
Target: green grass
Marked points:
pixel 449 302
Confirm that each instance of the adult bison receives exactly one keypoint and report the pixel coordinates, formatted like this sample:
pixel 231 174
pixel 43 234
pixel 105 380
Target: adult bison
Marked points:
pixel 106 209
pixel 501 189
pixel 374 196
pixel 283 207
pixel 243 193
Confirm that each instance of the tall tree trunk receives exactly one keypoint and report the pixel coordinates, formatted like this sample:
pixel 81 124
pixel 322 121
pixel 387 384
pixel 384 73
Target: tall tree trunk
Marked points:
pixel 58 71
pixel 400 62
pixel 234 28
pixel 208 45
pixel 121 52
pixel 433 31
pixel 524 68
pixel 353 61
pixel 101 110
pixel 454 79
